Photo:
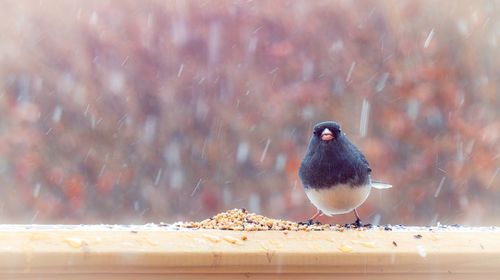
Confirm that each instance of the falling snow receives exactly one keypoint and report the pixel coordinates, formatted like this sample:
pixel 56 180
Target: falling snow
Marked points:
pixel 158 176
pixel 351 69
pixel 438 190
pixel 363 123
pixel 148 112
pixel 264 152
pixel 428 39
pixel 381 82
pixel 242 152
pixel 57 114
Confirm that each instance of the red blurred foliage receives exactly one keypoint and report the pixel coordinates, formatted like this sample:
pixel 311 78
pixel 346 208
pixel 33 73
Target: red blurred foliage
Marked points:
pixel 128 111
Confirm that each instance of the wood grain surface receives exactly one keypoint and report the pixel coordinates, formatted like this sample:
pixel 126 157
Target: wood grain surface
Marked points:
pixel 142 252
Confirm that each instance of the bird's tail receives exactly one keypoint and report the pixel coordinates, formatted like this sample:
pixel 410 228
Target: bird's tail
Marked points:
pixel 380 185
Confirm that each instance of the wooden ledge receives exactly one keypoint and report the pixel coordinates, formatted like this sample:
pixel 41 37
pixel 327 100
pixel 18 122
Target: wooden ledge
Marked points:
pixel 152 252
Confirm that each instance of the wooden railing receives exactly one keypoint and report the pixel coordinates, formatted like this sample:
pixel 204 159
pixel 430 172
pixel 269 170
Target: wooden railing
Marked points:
pixel 152 252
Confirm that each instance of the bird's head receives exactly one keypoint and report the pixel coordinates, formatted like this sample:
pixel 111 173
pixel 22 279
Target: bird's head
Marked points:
pixel 327 131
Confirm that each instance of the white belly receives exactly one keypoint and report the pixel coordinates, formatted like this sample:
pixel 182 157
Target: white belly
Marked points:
pixel 338 200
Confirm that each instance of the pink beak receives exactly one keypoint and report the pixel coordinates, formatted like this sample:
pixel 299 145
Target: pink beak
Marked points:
pixel 326 135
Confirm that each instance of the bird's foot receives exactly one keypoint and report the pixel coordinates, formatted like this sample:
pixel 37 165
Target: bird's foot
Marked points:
pixel 358 223
pixel 310 222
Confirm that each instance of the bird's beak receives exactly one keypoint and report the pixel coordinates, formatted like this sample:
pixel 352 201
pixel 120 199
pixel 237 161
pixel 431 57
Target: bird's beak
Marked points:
pixel 326 135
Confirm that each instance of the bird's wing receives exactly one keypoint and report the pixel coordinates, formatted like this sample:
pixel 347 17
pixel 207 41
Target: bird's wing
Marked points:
pixel 374 184
pixel 380 185
pixel 361 156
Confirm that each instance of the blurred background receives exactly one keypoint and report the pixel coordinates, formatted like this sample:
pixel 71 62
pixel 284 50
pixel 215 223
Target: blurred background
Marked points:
pixel 149 111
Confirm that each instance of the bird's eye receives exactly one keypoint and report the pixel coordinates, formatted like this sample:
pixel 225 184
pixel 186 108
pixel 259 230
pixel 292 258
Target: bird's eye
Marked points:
pixel 317 131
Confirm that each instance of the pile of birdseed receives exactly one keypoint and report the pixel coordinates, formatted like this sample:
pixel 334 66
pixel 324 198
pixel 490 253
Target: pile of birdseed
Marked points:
pixel 242 220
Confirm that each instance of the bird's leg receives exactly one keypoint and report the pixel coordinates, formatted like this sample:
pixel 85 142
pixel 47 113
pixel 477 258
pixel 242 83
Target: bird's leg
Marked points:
pixel 358 222
pixel 318 214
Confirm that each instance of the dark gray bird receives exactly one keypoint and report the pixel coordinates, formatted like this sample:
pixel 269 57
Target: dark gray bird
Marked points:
pixel 335 174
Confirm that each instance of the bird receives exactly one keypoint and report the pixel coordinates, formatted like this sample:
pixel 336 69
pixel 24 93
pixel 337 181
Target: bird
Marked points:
pixel 335 174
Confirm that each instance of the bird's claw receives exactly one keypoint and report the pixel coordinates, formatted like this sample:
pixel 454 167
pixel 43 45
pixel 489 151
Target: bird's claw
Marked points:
pixel 358 223
pixel 309 222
